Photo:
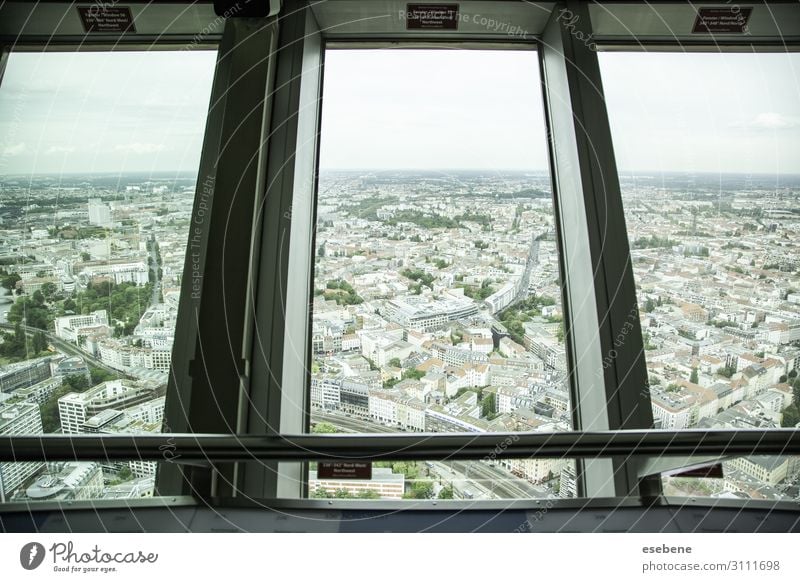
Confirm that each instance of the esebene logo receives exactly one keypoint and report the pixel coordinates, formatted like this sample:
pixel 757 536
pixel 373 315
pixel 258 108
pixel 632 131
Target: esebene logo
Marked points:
pixel 66 558
pixel 31 555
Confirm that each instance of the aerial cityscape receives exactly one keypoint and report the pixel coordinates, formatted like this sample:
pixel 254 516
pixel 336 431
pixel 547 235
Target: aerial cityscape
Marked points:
pixel 437 308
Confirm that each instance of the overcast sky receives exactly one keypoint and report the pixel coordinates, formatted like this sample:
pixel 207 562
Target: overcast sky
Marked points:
pixel 709 112
pixel 104 112
pixel 423 109
pixel 433 109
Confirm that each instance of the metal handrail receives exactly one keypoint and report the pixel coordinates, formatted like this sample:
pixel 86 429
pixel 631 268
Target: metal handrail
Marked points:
pixel 423 446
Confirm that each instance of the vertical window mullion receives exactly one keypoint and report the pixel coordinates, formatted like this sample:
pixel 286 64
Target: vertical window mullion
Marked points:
pixel 608 372
pixel 279 399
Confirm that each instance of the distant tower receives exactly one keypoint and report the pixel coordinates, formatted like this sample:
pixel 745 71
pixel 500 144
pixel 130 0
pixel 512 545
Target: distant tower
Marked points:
pixel 99 213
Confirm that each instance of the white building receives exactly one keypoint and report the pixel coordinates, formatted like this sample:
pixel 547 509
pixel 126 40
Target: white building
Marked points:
pixel 383 406
pixel 422 314
pixel 123 356
pixel 67 481
pixel 326 391
pixel 120 270
pixel 501 298
pixel 99 213
pixel 75 408
pixel 673 414
pixel 386 484
pixel 536 470
pixel 18 419
pixel 71 327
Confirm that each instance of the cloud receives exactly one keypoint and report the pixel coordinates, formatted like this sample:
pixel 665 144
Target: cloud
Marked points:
pixel 141 148
pixel 59 150
pixel 770 121
pixel 14 150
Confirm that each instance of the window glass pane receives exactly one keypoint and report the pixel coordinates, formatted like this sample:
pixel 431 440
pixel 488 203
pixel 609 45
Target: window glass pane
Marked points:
pixel 98 165
pixel 708 147
pixel 437 301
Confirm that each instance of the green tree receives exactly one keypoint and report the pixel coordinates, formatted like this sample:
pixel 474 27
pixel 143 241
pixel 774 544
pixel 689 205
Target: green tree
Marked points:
pixel 726 371
pixel 488 406
pixel 39 342
pixel 560 333
pixel 791 416
pixel 10 281
pixel 324 428
pixel 49 290
pixel 420 490
pixel 14 346
pixel 342 292
pixel 446 492
pixel 77 382
pixel 99 375
pixel 413 375
pixel 32 311
pixel 321 493
pixel 694 378
pixel 125 303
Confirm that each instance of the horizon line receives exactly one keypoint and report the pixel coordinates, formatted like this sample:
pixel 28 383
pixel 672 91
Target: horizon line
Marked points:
pixel 620 172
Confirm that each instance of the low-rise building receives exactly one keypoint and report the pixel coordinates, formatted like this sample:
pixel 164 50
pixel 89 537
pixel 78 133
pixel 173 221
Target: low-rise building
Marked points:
pixel 18 419
pixel 384 483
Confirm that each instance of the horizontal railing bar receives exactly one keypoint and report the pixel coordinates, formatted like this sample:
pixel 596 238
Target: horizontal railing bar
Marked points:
pixel 420 446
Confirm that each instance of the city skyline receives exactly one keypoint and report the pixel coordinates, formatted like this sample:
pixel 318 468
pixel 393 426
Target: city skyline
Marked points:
pixel 437 308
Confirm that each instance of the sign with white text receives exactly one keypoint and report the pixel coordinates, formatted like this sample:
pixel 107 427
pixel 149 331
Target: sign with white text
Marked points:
pixel 731 20
pixel 98 18
pixel 344 470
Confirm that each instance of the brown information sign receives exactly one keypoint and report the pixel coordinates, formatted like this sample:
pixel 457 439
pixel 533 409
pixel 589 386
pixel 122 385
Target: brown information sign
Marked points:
pixel 344 470
pixel 98 18
pixel 724 20
pixel 431 16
